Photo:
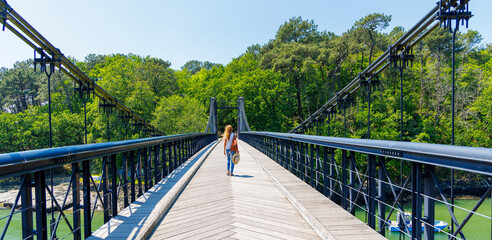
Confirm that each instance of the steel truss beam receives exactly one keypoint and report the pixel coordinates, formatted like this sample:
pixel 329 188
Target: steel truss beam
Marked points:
pixel 399 48
pixel 13 21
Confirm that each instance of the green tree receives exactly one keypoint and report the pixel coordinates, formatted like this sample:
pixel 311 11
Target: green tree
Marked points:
pixel 178 115
pixel 370 25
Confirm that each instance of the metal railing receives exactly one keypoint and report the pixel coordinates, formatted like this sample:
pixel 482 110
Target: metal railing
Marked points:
pixel 127 170
pixel 354 173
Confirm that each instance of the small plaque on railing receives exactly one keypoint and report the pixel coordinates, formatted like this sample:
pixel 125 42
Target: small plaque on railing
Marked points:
pixel 391 152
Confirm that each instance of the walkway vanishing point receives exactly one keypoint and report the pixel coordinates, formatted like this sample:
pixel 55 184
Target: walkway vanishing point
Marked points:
pixel 262 201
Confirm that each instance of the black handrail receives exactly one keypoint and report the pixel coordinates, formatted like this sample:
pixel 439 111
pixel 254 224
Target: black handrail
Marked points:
pixel 27 161
pixel 354 173
pixel 144 162
pixel 471 159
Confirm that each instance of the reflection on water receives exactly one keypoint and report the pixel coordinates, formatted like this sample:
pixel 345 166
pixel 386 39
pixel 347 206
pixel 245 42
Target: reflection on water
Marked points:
pixel 477 228
pixel 14 231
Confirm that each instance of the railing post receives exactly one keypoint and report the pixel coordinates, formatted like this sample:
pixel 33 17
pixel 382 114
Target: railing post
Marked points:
pixel 296 159
pixel 291 156
pixel 371 164
pixel 150 169
pixel 416 200
pixel 178 152
pixel 146 169
pixel 352 183
pixel 282 153
pixel 105 185
pixel 301 161
pixel 332 173
pixel 164 161
pixel 26 208
pixel 139 170
pixel 317 168
pixel 181 151
pixel 170 155
pixel 157 168
pixel 175 154
pixel 311 166
pixel 114 186
pixel 429 210
pixel 325 172
pixel 41 221
pixel 381 196
pixel 276 149
pixel 87 198
pixel 271 148
pixel 124 177
pixel 344 180
pixel 132 176
pixel 75 202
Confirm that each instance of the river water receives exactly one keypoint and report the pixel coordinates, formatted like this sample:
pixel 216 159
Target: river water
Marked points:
pixel 477 228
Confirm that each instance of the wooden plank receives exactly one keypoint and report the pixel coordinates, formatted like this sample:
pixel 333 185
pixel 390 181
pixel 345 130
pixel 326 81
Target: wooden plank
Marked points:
pixel 324 215
pixel 248 205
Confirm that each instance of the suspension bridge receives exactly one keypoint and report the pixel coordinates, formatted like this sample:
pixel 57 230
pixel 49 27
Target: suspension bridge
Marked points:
pixel 286 186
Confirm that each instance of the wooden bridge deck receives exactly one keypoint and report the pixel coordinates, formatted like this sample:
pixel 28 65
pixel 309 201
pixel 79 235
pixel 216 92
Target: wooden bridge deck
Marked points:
pixel 262 201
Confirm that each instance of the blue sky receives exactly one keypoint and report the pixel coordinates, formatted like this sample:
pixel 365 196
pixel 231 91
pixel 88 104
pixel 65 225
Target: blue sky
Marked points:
pixel 213 30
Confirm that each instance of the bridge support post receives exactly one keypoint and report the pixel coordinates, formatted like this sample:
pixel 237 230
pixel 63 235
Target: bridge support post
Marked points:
pixel 41 221
pixel 429 210
pixel 132 176
pixel 157 168
pixel 124 178
pixel 165 169
pixel 317 167
pixel 75 201
pixel 146 169
pixel 26 209
pixel 105 185
pixel 311 165
pixel 304 156
pixel 114 186
pixel 381 196
pixel 139 170
pixel 352 183
pixel 416 200
pixel 344 180
pixel 181 152
pixel 372 191
pixel 325 172
pixel 176 153
pixel 332 173
pixel 169 154
pixel 86 172
pixel 281 153
pixel 291 158
pixel 150 169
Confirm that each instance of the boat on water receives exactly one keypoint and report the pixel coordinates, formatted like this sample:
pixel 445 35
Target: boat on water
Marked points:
pixel 394 226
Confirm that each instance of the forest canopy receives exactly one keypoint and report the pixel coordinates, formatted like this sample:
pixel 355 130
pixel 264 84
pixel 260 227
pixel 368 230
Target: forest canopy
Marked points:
pixel 283 81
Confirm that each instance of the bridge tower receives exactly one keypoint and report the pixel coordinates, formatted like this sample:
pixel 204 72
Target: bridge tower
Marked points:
pixel 242 121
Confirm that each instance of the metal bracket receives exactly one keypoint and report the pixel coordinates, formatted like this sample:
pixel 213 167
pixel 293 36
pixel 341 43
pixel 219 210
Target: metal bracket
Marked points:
pixel 124 117
pixel 345 102
pixel 44 60
pixel 368 81
pixel 107 107
pixel 402 59
pixel 85 91
pixel 3 15
pixel 459 12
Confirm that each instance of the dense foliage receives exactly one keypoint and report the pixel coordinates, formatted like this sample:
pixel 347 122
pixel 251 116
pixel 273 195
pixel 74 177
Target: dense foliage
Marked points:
pixel 282 81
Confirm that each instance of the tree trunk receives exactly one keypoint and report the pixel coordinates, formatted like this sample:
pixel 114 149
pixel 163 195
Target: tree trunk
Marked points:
pixel 298 96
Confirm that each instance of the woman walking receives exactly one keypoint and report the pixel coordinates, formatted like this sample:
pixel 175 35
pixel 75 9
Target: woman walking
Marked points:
pixel 228 138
